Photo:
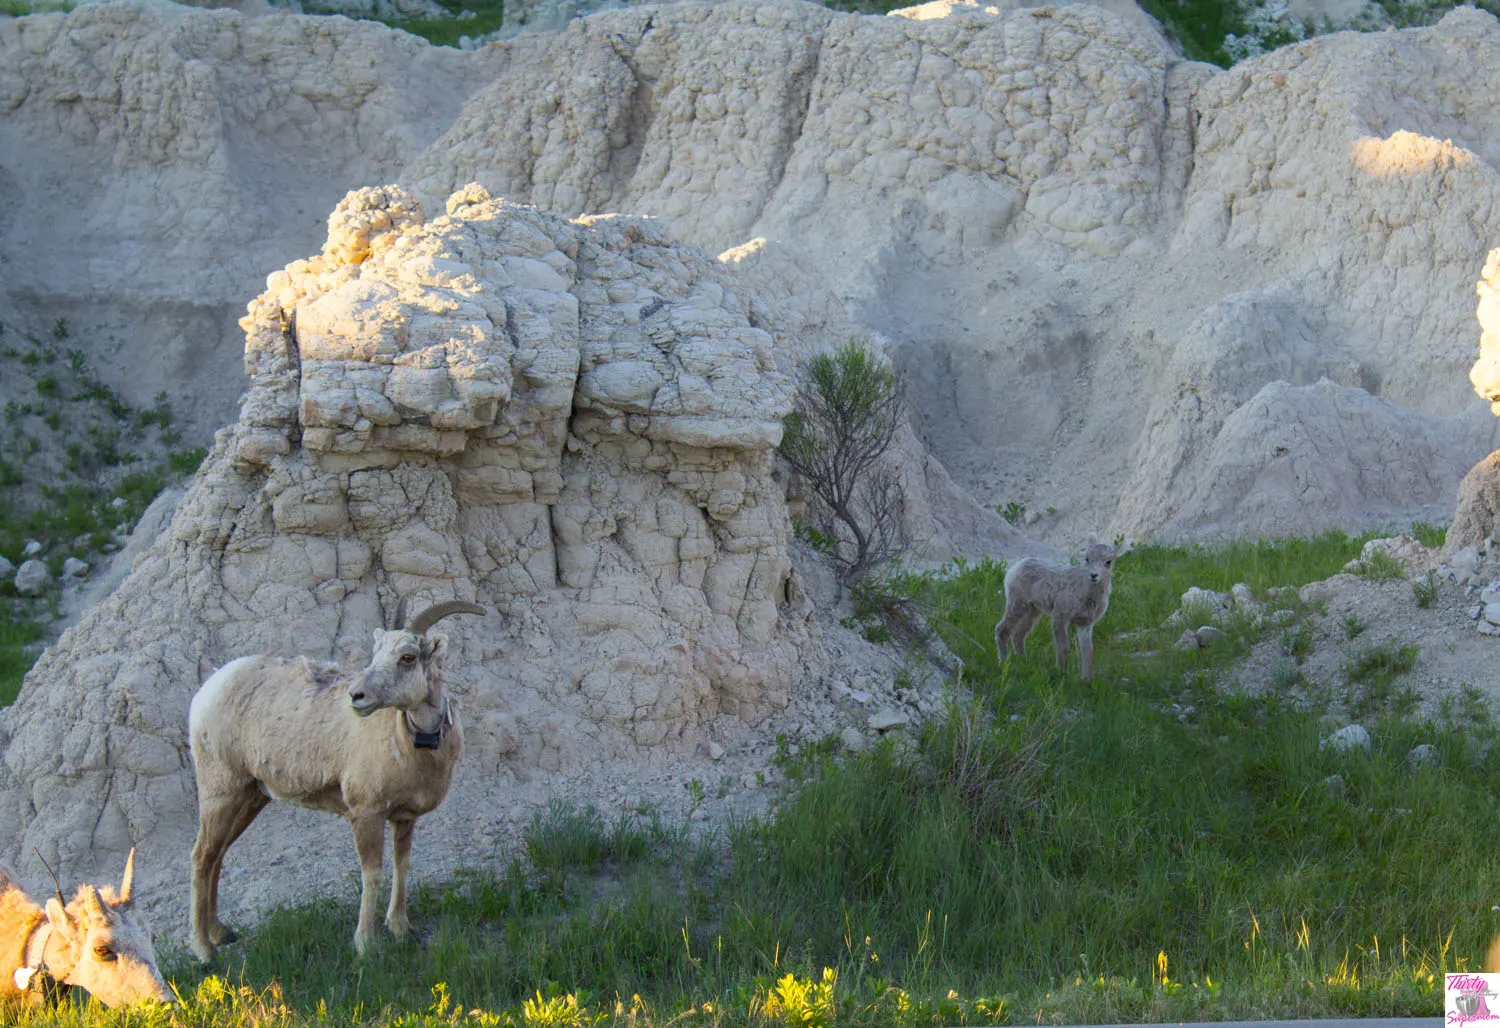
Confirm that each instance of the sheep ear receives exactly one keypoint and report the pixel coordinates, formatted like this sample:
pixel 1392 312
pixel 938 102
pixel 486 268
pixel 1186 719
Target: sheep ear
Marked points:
pixel 61 921
pixel 1093 539
pixel 431 644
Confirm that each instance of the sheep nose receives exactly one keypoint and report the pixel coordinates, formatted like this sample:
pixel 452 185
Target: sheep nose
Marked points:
pixel 1094 576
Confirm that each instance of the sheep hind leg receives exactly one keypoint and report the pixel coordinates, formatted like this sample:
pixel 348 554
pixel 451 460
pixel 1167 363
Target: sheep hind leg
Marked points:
pixel 252 803
pixel 1023 628
pixel 401 839
pixel 221 820
pixel 1060 641
pixel 369 841
pixel 1010 630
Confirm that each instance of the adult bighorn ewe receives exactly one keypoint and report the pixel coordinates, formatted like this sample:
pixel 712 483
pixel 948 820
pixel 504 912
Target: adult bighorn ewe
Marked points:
pixel 376 745
pixel 1072 594
pixel 95 943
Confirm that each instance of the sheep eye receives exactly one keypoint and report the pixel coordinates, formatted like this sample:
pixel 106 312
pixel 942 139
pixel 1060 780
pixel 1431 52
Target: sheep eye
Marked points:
pixel 1108 563
pixel 104 953
pixel 410 658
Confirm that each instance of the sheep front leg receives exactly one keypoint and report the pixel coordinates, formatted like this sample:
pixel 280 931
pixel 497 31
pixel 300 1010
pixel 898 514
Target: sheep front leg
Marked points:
pixel 401 839
pixel 369 841
pixel 1086 650
pixel 1060 641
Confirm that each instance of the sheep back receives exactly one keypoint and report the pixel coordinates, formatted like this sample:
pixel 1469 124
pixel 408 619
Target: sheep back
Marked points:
pixel 287 724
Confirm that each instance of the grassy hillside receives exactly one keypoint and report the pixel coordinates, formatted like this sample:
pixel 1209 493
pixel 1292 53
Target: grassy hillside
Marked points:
pixel 1142 847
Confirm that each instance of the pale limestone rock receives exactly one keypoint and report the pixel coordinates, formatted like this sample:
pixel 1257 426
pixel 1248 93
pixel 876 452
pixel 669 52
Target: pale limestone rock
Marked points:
pixel 32 578
pixel 633 547
pixel 1422 755
pixel 1349 737
pixel 952 176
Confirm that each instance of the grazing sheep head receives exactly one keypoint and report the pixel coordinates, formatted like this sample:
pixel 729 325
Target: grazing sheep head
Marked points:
pixel 1100 558
pixel 405 665
pixel 109 948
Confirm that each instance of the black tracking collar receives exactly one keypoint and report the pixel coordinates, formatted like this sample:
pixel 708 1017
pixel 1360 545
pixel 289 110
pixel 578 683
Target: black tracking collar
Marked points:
pixel 427 740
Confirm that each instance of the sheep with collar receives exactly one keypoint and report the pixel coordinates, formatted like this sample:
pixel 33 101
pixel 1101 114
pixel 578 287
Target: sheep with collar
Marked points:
pixel 377 745
pixel 96 943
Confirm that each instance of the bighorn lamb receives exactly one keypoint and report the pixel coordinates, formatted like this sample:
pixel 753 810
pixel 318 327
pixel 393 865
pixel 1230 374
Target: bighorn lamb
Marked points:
pixel 95 943
pixel 308 733
pixel 1071 594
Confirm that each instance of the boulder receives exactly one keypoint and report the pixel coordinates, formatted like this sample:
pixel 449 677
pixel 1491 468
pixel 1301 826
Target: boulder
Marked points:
pixel 32 578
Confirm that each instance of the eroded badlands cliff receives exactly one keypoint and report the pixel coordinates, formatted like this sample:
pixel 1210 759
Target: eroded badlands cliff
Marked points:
pixel 1161 298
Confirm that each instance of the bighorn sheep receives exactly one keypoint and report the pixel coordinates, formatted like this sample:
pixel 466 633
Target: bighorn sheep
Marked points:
pixel 1071 594
pixel 308 733
pixel 95 943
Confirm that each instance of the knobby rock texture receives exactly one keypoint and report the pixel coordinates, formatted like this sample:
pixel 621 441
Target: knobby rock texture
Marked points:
pixel 571 423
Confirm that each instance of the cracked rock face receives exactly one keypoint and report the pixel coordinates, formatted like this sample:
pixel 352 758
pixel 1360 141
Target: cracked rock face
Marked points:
pixel 570 423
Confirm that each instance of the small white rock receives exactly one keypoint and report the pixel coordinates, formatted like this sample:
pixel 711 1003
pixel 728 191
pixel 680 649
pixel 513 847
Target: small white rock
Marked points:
pixel 1491 594
pixel 715 751
pixel 888 718
pixel 853 739
pixel 32 578
pixel 1486 628
pixel 1476 612
pixel 74 568
pixel 1243 597
pixel 1208 635
pixel 1188 640
pixel 31 549
pixel 1421 755
pixel 118 502
pixel 1347 738
pixel 749 781
pixel 6 568
pixel 1466 559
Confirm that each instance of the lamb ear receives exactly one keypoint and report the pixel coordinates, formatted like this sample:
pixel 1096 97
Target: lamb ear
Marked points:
pixel 61 921
pixel 1093 539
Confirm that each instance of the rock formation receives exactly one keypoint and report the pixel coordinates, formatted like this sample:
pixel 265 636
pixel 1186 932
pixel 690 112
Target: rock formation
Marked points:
pixel 1086 254
pixel 1159 297
pixel 569 422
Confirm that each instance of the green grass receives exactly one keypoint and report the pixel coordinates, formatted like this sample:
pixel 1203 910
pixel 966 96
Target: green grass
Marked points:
pixel 1380 566
pixel 1139 847
pixel 66 501
pixel 489 15
pixel 1428 534
pixel 15 660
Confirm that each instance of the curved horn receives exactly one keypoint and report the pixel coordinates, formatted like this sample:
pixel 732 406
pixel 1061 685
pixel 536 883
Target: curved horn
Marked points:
pixel 129 877
pixel 435 613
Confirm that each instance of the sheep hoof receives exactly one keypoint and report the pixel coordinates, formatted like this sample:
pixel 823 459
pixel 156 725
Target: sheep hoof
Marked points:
pixel 400 929
pixel 221 934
